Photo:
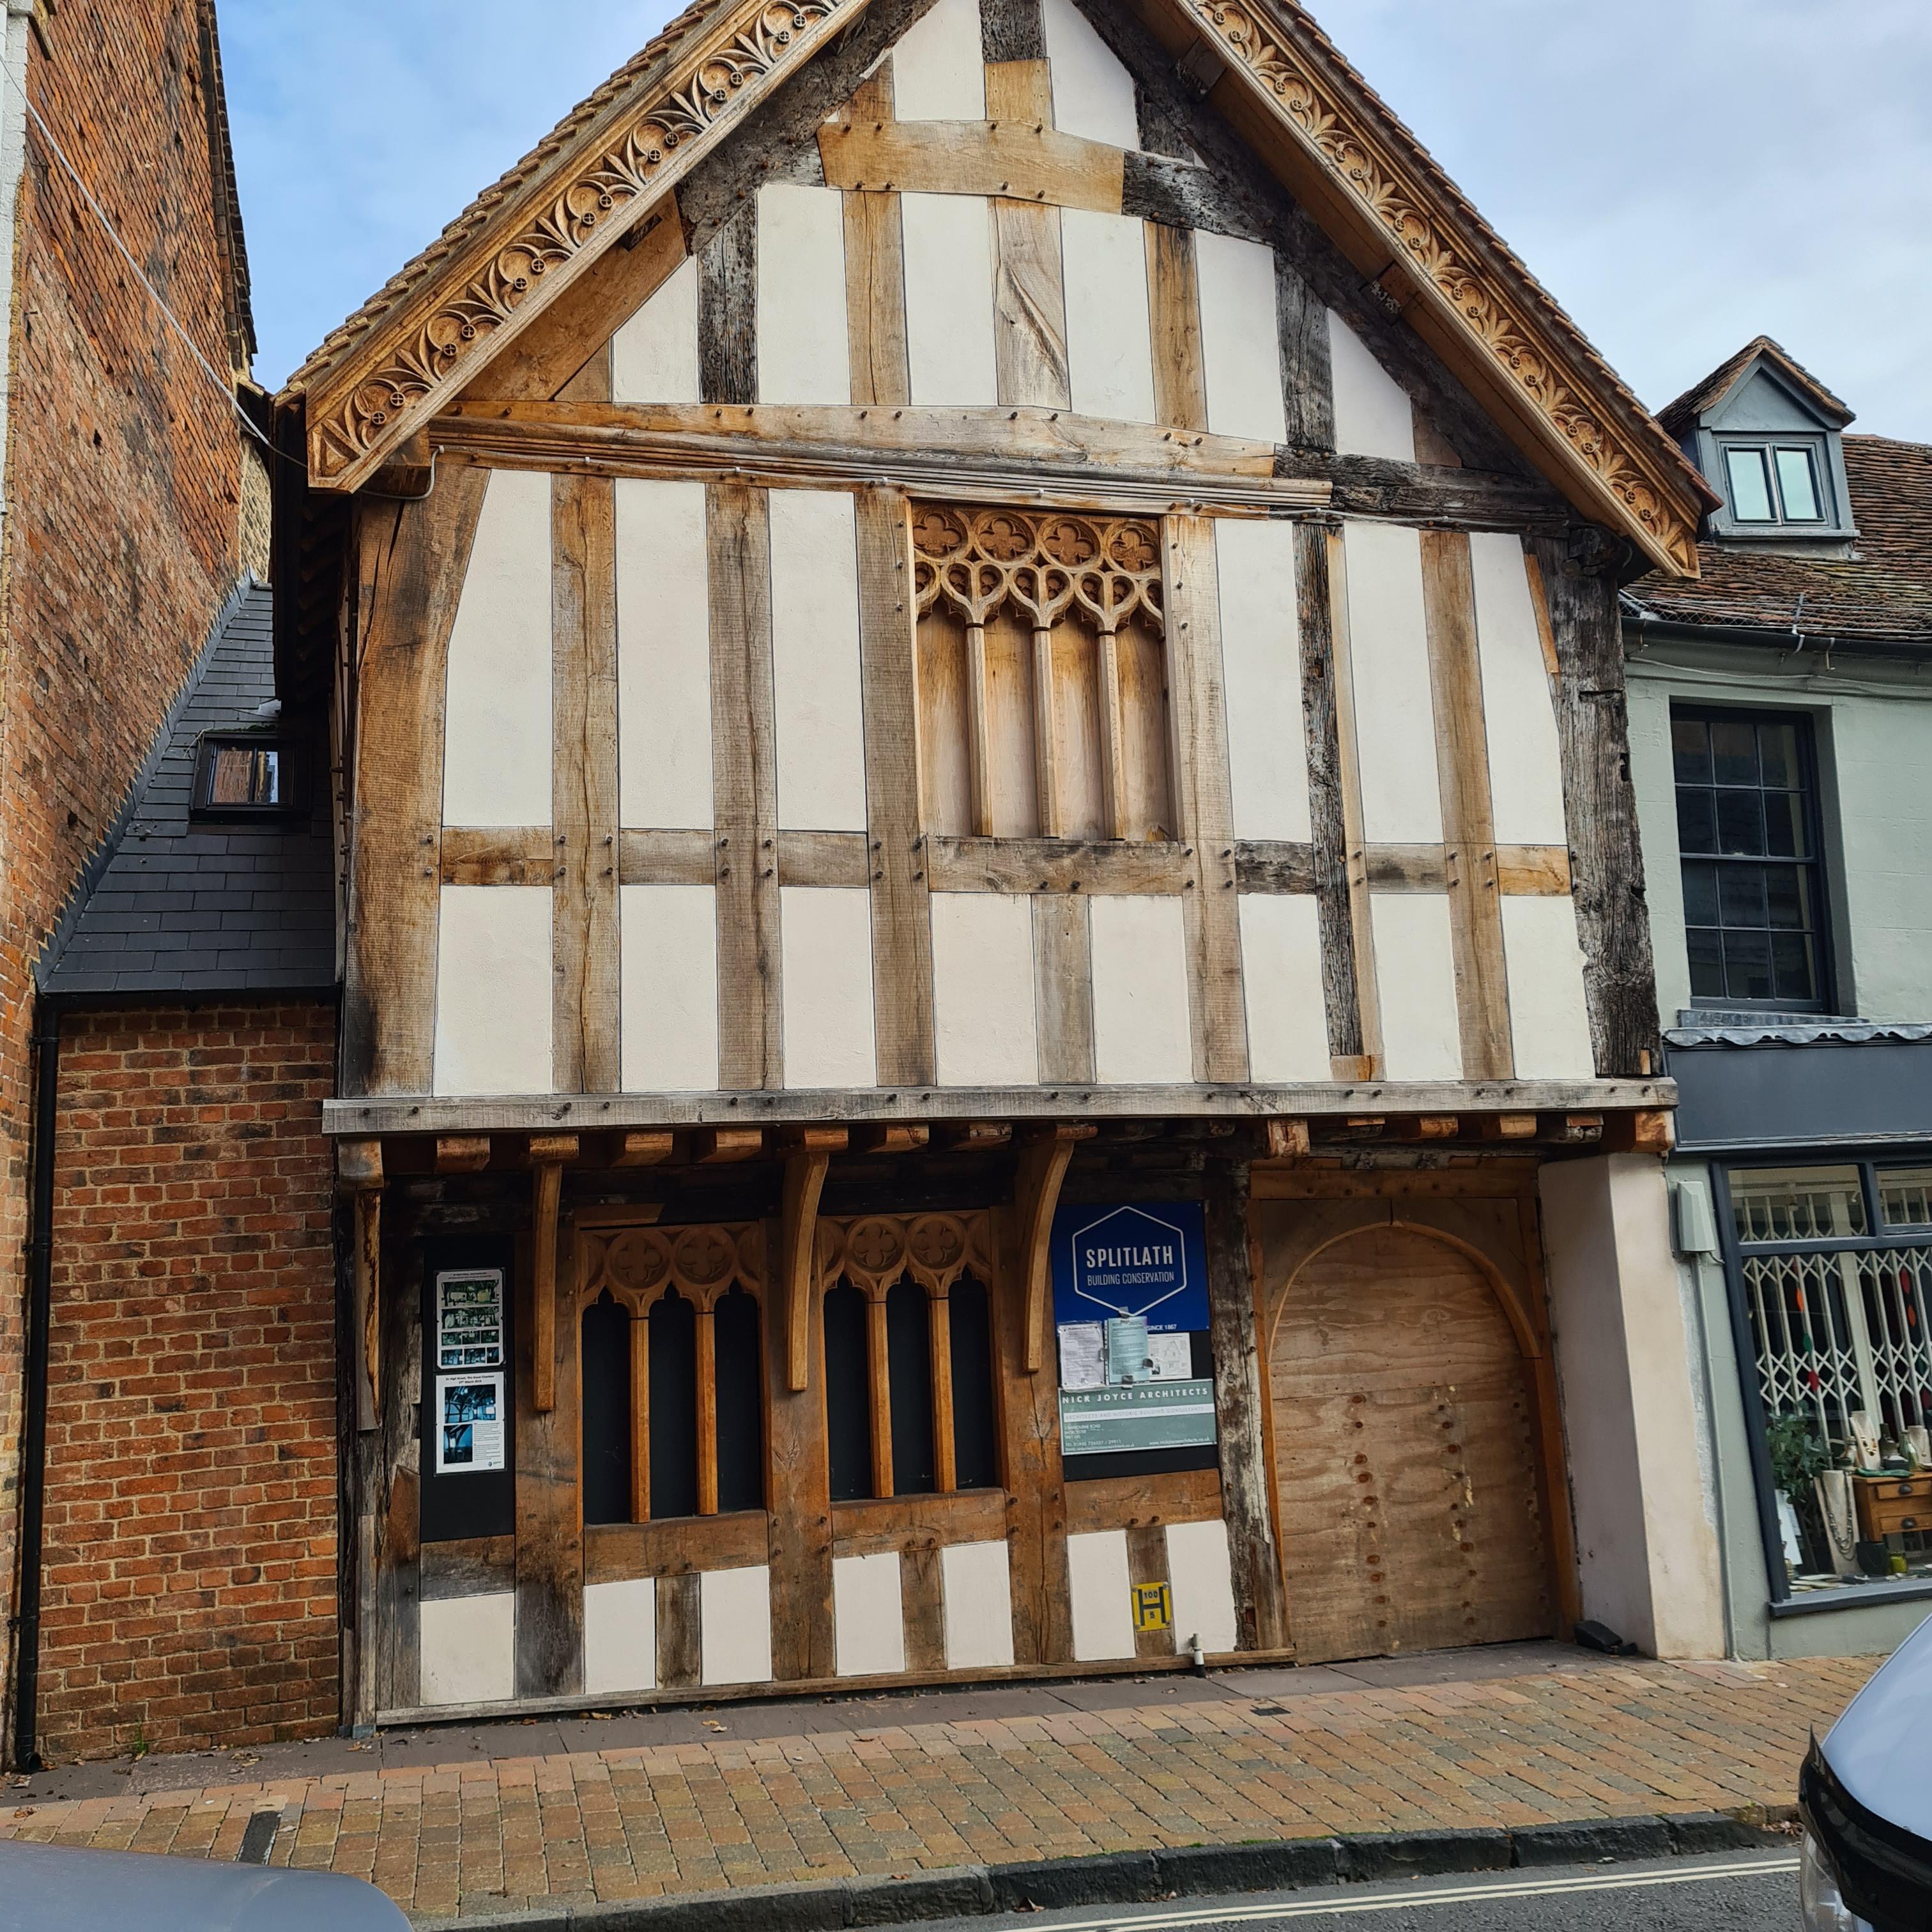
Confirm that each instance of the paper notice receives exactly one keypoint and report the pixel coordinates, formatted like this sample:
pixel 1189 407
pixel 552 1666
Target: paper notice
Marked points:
pixel 469 1418
pixel 1171 1356
pixel 1082 1355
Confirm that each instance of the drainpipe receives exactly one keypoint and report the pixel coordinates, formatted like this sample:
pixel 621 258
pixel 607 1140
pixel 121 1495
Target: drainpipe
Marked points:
pixel 26 1621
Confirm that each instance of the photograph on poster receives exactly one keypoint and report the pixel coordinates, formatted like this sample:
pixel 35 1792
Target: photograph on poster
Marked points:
pixel 470 1424
pixel 469 1319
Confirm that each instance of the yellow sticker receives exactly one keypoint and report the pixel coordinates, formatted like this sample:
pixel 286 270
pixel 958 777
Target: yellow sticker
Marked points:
pixel 1154 1607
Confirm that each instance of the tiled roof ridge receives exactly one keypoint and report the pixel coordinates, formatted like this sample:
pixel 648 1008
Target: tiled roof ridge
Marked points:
pixel 1676 415
pixel 517 176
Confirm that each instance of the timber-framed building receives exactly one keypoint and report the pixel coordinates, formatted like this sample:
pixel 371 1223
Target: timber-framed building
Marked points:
pixel 997 1014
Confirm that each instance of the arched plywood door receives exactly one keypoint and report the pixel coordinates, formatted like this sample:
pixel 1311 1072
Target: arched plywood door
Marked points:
pixel 1407 1498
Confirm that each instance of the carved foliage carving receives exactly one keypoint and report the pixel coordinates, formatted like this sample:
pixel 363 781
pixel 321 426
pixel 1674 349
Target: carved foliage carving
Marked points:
pixel 1104 570
pixel 714 81
pixel 702 1262
pixel 1377 182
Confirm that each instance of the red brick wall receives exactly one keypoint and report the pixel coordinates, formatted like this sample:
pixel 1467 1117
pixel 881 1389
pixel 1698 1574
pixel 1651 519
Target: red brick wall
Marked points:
pixel 191 1553
pixel 123 496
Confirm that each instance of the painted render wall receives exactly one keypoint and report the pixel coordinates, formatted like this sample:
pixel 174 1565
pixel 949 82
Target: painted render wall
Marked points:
pixel 1873 724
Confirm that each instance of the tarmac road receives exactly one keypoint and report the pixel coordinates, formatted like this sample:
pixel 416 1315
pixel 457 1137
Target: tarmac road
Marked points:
pixel 1747 1892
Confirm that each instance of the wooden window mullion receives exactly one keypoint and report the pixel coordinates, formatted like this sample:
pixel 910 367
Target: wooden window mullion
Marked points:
pixel 707 1413
pixel 979 732
pixel 1113 737
pixel 882 1394
pixel 640 1419
pixel 939 1329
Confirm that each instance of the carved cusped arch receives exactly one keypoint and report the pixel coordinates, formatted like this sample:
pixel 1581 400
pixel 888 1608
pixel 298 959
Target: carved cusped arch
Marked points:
pixel 702 1261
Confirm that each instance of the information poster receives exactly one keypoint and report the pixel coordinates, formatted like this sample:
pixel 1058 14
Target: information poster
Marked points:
pixel 470 1424
pixel 469 1319
pixel 1129 1294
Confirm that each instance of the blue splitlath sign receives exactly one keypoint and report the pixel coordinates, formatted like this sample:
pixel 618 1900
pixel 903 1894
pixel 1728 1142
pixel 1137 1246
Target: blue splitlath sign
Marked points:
pixel 1146 1261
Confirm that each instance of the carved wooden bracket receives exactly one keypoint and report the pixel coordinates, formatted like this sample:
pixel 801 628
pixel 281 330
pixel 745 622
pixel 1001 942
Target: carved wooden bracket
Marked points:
pixel 359 1174
pixel 811 1154
pixel 547 1154
pixel 1042 1167
pixel 462 1153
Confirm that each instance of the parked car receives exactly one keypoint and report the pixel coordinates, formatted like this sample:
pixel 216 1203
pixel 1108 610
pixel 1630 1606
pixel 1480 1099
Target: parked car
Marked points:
pixel 58 1888
pixel 1866 1792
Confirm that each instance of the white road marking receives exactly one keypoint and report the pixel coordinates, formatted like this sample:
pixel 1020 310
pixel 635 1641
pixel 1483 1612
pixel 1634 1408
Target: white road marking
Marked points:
pixel 1396 1901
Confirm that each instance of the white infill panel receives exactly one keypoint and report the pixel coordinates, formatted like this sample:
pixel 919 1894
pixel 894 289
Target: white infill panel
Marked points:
pixel 734 1620
pixel 948 292
pixel 664 657
pixel 939 72
pixel 1203 1584
pixel 1141 1032
pixel 1526 757
pixel 1281 966
pixel 468 1649
pixel 1240 340
pixel 1092 93
pixel 1415 976
pixel 1109 342
pixel 827 982
pixel 1388 664
pixel 1373 414
pixel 667 988
pixel 497 724
pixel 1549 1020
pixel 982 990
pixel 1103 1610
pixel 802 355
pixel 977 1588
pixel 868 1620
pixel 620 1635
pixel 654 356
pixel 493 990
pixel 1261 654
pixel 817 706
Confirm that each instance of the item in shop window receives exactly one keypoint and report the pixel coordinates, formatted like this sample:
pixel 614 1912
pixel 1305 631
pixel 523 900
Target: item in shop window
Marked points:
pixel 1918 1443
pixel 1874 1559
pixel 1836 1504
pixel 1864 1439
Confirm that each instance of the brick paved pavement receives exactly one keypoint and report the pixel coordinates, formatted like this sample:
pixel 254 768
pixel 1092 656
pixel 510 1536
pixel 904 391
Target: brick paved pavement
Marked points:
pixel 774 1793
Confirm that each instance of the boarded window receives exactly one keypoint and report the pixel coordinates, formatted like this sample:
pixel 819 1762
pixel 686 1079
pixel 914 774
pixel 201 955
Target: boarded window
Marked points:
pixel 1042 680
pixel 673 1408
pixel 741 1429
pixel 975 1439
pixel 909 1368
pixel 848 1405
pixel 607 1411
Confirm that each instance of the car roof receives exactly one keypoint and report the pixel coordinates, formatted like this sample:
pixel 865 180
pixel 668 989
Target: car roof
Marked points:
pixel 1881 1747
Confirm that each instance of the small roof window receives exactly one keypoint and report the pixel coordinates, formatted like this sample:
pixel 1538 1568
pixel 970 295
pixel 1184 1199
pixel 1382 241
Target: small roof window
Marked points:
pixel 1773 482
pixel 242 777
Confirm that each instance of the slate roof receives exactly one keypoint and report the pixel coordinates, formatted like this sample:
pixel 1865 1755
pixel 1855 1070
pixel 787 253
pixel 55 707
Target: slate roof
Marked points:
pixel 175 905
pixel 1881 593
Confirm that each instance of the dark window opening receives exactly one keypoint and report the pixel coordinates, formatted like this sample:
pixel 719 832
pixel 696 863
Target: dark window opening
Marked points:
pixel 606 1359
pixel 976 1451
pixel 848 1399
pixel 909 1376
pixel 741 1409
pixel 674 1408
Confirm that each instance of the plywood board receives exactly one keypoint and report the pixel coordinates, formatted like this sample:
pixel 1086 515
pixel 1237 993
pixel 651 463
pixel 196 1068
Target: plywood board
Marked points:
pixel 1549 1019
pixel 1526 759
pixel 1373 414
pixel 668 988
pixel 1202 1584
pixel 868 1619
pixel 1388 664
pixel 979 1606
pixel 939 71
pixel 496 744
pixel 1092 93
pixel 654 356
pixel 827 983
pixel 735 1612
pixel 1103 1617
pixel 468 1646
pixel 1282 966
pixel 493 990
pixel 1260 651
pixel 803 356
pixel 984 1026
pixel 664 656
pixel 1109 343
pixel 949 294
pixel 1142 1029
pixel 620 1635
pixel 1415 974
pixel 1241 344
pixel 818 708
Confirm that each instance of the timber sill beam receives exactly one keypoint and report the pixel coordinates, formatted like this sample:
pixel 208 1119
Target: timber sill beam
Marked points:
pixel 548 1153
pixel 808 1155
pixel 1044 1160
pixel 358 1172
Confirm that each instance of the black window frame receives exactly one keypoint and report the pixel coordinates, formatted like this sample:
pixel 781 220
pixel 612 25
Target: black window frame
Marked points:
pixel 1824 998
pixel 289 776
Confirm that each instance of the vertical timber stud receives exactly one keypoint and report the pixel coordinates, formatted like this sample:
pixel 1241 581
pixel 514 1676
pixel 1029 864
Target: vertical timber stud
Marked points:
pixel 1468 829
pixel 798 1495
pixel 807 1155
pixel 1368 994
pixel 547 1154
pixel 409 560
pixel 1029 278
pixel 359 1167
pixel 1204 802
pixel 875 270
pixel 901 920
pixel 388 1673
pixel 1063 969
pixel 1173 306
pixel 1307 375
pixel 584 620
pixel 1327 816
pixel 1605 859
pixel 1260 1614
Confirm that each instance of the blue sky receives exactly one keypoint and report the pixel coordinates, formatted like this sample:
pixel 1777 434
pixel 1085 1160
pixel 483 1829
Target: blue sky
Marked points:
pixel 1683 175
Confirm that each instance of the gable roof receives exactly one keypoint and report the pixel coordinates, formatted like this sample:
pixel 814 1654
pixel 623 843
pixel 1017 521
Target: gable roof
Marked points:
pixel 176 906
pixel 1681 417
pixel 1273 73
pixel 1881 593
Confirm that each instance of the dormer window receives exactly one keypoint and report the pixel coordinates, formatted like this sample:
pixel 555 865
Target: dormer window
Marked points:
pixel 1774 483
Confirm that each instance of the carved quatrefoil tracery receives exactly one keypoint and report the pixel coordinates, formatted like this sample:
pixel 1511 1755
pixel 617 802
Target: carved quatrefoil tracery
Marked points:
pixel 1105 570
